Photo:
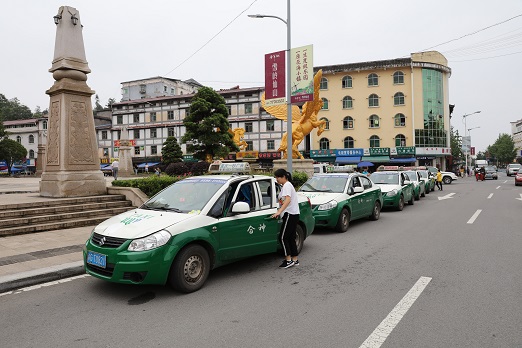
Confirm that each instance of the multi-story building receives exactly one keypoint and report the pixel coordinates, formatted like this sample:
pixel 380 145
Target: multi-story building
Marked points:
pixel 29 133
pixel 157 87
pixel 389 111
pixel 516 133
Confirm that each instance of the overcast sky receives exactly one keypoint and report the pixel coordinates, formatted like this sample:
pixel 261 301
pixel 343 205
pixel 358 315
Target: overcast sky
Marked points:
pixel 128 40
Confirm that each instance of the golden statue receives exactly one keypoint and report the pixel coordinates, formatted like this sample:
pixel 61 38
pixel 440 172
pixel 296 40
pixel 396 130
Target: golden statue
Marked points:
pixel 238 134
pixel 302 122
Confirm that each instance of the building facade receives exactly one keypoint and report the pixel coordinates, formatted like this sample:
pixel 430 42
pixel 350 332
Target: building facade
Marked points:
pixel 516 133
pixel 391 112
pixel 29 133
pixel 157 87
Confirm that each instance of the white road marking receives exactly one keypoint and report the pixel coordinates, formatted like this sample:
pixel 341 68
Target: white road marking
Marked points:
pixel 498 187
pixel 446 196
pixel 379 335
pixel 490 195
pixel 39 286
pixel 520 199
pixel 505 181
pixel 474 217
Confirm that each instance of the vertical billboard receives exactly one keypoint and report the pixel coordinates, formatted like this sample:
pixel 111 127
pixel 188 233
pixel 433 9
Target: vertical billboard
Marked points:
pixel 275 82
pixel 302 74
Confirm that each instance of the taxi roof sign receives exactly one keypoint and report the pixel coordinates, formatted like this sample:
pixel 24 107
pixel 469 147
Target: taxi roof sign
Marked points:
pixel 387 168
pixel 218 167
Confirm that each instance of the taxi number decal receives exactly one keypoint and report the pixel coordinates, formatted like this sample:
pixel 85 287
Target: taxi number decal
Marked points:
pixel 135 218
pixel 251 229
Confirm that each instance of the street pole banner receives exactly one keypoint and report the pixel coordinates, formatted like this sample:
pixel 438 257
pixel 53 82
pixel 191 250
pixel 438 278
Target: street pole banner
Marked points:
pixel 466 143
pixel 275 78
pixel 302 74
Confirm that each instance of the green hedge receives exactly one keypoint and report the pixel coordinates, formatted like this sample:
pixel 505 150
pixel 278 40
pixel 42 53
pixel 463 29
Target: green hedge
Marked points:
pixel 149 185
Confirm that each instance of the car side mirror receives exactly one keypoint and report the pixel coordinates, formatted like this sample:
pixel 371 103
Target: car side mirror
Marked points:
pixel 406 182
pixel 241 208
pixel 358 189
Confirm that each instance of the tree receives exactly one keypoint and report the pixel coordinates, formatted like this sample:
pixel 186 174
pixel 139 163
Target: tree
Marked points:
pixel 207 126
pixel 98 106
pixel 12 110
pixel 10 152
pixel 456 145
pixel 171 151
pixel 3 132
pixel 503 150
pixel 110 102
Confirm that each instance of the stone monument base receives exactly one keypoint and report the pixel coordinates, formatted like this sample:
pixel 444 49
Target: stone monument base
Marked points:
pixel 72 184
pixel 298 165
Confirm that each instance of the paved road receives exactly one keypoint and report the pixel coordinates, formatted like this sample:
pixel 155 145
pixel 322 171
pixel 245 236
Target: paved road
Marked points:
pixel 346 286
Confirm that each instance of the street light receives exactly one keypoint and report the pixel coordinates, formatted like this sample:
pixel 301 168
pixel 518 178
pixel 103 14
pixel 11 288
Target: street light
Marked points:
pixel 469 130
pixel 289 151
pixel 464 117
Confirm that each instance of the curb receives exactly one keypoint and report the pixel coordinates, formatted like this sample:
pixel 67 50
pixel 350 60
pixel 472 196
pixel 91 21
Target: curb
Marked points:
pixel 42 275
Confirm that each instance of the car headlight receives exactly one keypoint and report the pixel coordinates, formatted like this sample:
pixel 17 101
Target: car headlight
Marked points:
pixel 392 193
pixel 328 206
pixel 150 242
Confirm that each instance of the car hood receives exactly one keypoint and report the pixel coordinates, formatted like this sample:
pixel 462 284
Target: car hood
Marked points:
pixel 139 223
pixel 385 188
pixel 317 198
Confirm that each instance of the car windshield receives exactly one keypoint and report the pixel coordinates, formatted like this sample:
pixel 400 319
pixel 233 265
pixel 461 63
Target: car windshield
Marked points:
pixel 189 195
pixel 412 176
pixel 330 183
pixel 385 178
pixel 491 169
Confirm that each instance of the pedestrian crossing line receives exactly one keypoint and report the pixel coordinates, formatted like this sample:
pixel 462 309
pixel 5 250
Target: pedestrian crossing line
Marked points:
pixel 475 216
pixel 490 195
pixel 379 335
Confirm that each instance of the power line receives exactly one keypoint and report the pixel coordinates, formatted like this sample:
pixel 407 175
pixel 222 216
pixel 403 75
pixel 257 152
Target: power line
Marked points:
pixel 502 55
pixel 212 38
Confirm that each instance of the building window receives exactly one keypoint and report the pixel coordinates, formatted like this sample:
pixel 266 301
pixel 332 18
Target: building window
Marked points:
pixel 136 118
pixel 248 127
pixel 348 143
pixel 270 144
pixel 400 120
pixel 373 100
pixel 375 141
pixel 106 151
pixel 347 82
pixel 270 126
pixel 31 153
pixel 170 131
pixel 248 108
pixel 324 83
pixel 164 88
pixel 31 139
pixel 373 80
pixel 136 134
pixel 119 119
pixel 229 109
pixel 327 123
pixel 348 122
pixel 324 144
pixel 374 121
pixel 104 135
pixel 400 140
pixel 250 145
pixel 398 78
pixel 172 91
pixel 170 115
pixel 187 112
pixel 398 99
pixel 118 135
pixel 325 104
pixel 44 124
pixel 347 102
pixel 136 150
pixel 19 139
pixel 154 133
pixel 152 117
pixel 154 149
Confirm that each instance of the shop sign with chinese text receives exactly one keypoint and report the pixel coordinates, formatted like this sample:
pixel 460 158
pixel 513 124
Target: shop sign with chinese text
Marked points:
pixel 349 152
pixel 405 150
pixel 379 151
pixel 302 74
pixel 275 82
pixel 322 153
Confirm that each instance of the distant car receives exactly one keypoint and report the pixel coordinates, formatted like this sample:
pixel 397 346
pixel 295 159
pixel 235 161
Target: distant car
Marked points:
pixel 447 177
pixel 518 179
pixel 512 169
pixel 396 188
pixel 339 198
pixel 491 173
pixel 419 188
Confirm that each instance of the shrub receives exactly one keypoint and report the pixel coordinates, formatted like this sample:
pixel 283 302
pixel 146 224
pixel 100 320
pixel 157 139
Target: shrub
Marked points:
pixel 178 168
pixel 149 185
pixel 298 179
pixel 200 168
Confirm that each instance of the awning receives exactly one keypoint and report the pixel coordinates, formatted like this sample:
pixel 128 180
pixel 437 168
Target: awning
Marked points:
pixel 376 159
pixel 348 159
pixel 142 165
pixel 403 160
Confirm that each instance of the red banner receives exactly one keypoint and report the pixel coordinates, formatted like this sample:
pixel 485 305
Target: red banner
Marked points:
pixel 275 83
pixel 472 151
pixel 270 155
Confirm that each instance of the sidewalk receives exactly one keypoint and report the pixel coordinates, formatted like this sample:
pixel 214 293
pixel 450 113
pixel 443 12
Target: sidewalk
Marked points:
pixel 34 258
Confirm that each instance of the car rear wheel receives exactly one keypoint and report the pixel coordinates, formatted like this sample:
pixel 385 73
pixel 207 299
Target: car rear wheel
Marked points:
pixel 412 199
pixel 376 213
pixel 299 238
pixel 190 269
pixel 343 222
pixel 446 180
pixel 400 206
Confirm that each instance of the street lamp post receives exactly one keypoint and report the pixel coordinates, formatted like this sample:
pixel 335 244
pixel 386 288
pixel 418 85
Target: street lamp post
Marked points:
pixel 469 130
pixel 289 151
pixel 464 117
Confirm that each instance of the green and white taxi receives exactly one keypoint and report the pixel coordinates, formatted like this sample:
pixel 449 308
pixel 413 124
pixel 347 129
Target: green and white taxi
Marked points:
pixel 419 187
pixel 339 198
pixel 396 188
pixel 189 228
pixel 428 178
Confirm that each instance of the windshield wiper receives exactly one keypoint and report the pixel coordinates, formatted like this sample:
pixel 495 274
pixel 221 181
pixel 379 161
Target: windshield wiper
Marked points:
pixel 163 207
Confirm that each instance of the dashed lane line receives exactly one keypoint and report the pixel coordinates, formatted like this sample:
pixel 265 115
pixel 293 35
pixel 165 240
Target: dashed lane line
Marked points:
pixel 498 187
pixel 39 286
pixel 475 216
pixel 379 335
pixel 490 195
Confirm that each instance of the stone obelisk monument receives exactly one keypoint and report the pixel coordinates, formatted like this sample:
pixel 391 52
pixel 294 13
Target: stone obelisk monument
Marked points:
pixel 72 167
pixel 124 155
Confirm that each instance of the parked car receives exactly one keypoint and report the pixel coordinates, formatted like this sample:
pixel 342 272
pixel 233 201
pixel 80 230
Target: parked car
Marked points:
pixel 189 228
pixel 429 180
pixel 396 188
pixel 419 188
pixel 512 169
pixel 339 198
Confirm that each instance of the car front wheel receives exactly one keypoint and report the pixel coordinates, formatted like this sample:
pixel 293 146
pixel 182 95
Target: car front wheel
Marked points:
pixel 400 206
pixel 190 269
pixel 376 213
pixel 343 222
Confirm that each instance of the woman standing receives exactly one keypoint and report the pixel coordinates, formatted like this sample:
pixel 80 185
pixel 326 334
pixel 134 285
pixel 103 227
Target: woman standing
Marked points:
pixel 289 210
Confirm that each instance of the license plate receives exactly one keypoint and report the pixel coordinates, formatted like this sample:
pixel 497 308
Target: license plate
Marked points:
pixel 96 259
